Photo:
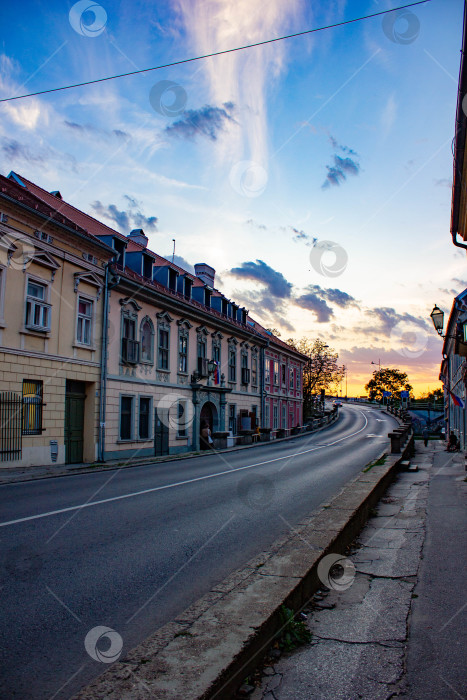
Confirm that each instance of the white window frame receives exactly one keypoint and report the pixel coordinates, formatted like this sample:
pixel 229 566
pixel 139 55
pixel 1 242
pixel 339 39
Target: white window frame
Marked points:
pixel 87 300
pixel 276 372
pixel 36 302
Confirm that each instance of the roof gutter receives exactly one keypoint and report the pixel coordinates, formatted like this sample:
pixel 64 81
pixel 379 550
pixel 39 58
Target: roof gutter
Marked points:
pixel 90 240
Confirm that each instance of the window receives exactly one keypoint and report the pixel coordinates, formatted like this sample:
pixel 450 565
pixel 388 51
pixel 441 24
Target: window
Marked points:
pixel 297 379
pixel 216 353
pixel 291 378
pixel 183 353
pixel 163 356
pixel 254 369
pixel 233 418
pixel 37 309
pixel 267 417
pixel 283 375
pixel 182 419
pixel 276 372
pixel 32 407
pixel 130 346
pixel 84 322
pixel 126 413
pixel 147 335
pixel 201 348
pixel 267 372
pixel 284 415
pixel 232 365
pixel 275 417
pixel 144 414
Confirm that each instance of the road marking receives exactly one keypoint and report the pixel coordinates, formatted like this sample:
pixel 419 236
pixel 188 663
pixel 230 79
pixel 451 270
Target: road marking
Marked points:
pixel 178 483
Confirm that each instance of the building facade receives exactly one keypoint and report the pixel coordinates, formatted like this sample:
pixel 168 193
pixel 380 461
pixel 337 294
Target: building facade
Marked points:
pixel 52 276
pixel 166 353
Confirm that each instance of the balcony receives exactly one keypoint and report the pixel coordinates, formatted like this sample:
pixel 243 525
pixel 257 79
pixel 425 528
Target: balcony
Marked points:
pixel 202 370
pixel 130 351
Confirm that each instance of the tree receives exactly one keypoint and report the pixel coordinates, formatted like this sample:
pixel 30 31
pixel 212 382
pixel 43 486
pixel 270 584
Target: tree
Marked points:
pixel 320 372
pixel 386 379
pixel 274 331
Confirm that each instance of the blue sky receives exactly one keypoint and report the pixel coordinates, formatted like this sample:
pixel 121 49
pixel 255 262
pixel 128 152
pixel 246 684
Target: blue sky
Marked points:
pixel 313 174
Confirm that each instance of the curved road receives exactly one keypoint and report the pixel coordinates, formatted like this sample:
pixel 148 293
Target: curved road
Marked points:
pixel 130 549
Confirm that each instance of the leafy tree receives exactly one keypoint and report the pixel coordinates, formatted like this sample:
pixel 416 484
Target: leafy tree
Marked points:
pixel 320 372
pixel 386 379
pixel 274 331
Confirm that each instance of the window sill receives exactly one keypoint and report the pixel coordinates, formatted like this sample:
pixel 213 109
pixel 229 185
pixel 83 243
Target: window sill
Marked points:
pixel 36 333
pixel 146 362
pixel 131 440
pixel 2 323
pixel 159 369
pixel 84 346
pixel 181 437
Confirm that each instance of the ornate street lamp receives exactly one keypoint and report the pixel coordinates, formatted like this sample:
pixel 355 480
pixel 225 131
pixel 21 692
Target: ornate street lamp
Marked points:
pixel 437 316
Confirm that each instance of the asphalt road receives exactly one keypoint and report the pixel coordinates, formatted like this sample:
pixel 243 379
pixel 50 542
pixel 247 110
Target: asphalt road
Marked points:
pixel 130 549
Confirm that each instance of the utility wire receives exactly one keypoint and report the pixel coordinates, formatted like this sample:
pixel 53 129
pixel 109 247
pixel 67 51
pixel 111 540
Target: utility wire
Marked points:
pixel 215 53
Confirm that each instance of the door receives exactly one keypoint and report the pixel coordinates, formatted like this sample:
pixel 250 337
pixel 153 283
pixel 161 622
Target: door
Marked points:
pixel 161 436
pixel 74 421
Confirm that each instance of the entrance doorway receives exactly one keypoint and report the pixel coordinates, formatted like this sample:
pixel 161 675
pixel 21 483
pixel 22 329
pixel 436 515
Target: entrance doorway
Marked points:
pixel 161 436
pixel 208 415
pixel 75 394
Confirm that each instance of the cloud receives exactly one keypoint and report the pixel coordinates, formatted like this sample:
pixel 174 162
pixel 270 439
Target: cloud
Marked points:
pixel 312 302
pixel 259 271
pixel 207 121
pixel 270 311
pixel 443 182
pixel 302 237
pixel 341 167
pixel 333 296
pixel 251 222
pixel 14 150
pixel 181 262
pixel 337 173
pixel 129 219
pixel 90 129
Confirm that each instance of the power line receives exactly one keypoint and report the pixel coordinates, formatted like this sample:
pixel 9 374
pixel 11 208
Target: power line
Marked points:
pixel 211 55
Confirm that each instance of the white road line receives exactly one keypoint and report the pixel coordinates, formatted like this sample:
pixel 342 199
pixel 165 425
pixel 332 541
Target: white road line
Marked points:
pixel 177 483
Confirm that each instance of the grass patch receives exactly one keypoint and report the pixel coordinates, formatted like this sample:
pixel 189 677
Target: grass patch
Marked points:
pixel 294 632
pixel 375 463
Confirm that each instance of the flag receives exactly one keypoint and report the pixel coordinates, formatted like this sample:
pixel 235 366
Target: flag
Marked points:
pixel 457 401
pixel 216 373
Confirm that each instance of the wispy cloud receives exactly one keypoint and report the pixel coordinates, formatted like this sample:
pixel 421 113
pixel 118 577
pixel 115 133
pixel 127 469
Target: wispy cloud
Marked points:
pixel 90 129
pixel 333 296
pixel 207 121
pixel 242 77
pixel 300 236
pixel 341 167
pixel 128 219
pixel 312 302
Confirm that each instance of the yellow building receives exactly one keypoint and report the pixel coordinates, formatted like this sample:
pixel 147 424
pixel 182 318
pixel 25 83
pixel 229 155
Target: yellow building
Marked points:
pixel 52 275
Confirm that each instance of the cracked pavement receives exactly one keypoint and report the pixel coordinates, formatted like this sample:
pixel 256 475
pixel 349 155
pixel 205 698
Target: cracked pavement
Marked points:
pixel 371 640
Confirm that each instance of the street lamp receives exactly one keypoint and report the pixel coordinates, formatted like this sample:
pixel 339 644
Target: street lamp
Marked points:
pixel 376 363
pixel 437 316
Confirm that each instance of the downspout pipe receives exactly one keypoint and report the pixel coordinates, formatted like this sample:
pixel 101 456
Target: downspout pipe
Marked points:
pixel 104 348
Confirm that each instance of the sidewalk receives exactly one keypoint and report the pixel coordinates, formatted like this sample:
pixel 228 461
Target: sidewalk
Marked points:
pixel 399 627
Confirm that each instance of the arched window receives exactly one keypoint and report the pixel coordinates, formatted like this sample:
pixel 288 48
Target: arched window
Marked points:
pixel 147 340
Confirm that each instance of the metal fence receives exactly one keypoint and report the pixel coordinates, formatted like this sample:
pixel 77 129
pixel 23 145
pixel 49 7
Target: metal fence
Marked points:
pixel 11 422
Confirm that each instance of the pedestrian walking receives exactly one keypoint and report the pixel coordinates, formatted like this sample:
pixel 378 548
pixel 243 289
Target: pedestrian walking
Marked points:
pixel 425 433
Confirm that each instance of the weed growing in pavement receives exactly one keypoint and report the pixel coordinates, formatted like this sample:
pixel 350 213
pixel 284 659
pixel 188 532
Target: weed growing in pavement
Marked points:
pixel 294 633
pixel 375 463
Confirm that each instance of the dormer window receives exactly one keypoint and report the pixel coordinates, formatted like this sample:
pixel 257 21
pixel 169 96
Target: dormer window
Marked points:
pixel 207 297
pixel 188 288
pixel 147 267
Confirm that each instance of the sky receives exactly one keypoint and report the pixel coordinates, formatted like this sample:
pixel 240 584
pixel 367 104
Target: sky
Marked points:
pixel 314 174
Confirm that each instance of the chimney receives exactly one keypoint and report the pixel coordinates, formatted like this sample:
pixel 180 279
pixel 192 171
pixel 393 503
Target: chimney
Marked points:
pixel 206 273
pixel 138 236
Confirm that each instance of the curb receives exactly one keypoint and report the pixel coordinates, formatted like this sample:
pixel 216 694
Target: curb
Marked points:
pixel 148 461
pixel 208 650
